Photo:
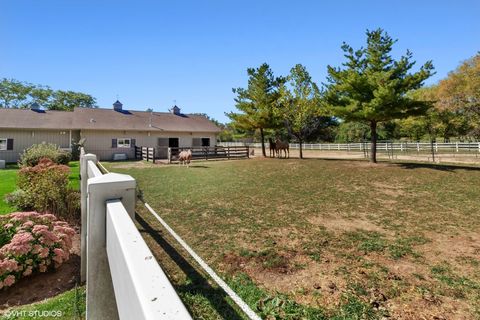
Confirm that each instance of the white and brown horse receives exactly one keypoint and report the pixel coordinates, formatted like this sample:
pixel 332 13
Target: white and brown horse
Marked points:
pixel 185 157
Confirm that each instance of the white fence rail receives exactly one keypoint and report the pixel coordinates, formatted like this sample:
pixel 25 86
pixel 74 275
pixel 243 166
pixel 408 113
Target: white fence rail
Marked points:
pixel 452 147
pixel 124 281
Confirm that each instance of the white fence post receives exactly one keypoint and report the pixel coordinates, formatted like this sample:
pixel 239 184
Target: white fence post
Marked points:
pixel 84 158
pixel 101 302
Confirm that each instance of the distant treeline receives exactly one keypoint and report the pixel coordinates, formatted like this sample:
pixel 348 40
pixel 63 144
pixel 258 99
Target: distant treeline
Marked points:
pixel 18 94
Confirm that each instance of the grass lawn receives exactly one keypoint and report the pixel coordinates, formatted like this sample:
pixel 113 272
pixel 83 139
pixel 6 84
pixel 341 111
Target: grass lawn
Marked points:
pixel 320 238
pixel 68 305
pixel 8 179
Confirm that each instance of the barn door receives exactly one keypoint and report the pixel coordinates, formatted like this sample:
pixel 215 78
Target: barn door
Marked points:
pixel 173 143
pixel 162 147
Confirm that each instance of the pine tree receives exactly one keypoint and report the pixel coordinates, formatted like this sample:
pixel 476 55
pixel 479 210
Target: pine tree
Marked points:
pixel 256 102
pixel 372 87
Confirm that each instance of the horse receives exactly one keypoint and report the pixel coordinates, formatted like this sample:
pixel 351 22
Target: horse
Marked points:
pixel 280 145
pixel 184 157
pixel 273 148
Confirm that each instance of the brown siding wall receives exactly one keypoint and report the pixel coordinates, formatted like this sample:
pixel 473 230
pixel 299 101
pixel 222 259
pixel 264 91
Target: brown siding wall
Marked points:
pixel 24 138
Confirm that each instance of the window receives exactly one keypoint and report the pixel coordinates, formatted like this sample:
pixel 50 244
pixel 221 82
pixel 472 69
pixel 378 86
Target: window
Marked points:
pixel 124 143
pixel 3 144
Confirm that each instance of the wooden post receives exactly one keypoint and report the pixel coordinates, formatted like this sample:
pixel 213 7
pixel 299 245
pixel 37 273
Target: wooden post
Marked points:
pixel 248 152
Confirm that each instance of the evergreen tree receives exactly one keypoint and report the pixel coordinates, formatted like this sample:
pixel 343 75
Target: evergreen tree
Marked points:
pixel 372 87
pixel 256 102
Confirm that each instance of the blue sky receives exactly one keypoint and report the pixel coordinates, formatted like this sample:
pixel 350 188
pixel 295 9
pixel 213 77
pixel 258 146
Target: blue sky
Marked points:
pixel 151 53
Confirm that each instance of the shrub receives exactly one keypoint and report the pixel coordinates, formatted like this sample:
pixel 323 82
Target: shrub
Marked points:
pixel 32 156
pixel 31 242
pixel 44 188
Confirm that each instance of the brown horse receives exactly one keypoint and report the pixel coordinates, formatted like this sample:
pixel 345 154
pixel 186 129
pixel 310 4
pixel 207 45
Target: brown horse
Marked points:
pixel 280 145
pixel 273 148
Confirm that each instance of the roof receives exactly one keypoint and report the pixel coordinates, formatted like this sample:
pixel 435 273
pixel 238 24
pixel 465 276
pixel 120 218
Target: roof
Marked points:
pixel 105 119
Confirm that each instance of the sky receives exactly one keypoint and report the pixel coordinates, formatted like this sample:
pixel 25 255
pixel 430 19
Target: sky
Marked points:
pixel 153 53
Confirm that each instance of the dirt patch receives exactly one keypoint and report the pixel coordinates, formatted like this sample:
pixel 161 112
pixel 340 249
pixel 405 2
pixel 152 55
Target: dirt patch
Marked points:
pixel 44 285
pixel 453 248
pixel 389 189
pixel 341 225
pixel 427 306
pixel 134 165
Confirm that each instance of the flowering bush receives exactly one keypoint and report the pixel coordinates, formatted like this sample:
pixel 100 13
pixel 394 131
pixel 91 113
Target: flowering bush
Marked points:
pixel 32 156
pixel 44 188
pixel 30 242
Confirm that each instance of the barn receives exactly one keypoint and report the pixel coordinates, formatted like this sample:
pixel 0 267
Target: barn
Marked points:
pixel 104 132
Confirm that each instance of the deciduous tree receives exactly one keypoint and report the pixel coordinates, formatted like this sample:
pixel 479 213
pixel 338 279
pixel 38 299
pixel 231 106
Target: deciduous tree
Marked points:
pixel 299 105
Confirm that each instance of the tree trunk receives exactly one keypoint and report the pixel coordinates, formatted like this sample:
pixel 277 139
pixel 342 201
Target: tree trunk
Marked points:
pixel 301 149
pixel 373 150
pixel 263 142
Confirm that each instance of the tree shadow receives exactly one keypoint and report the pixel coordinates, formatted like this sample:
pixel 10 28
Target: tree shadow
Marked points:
pixel 434 166
pixel 408 165
pixel 198 283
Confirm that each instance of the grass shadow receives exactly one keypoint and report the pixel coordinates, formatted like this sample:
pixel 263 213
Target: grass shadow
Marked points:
pixel 198 283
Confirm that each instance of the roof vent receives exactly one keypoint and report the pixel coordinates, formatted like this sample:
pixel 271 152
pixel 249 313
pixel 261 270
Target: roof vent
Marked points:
pixel 175 110
pixel 117 106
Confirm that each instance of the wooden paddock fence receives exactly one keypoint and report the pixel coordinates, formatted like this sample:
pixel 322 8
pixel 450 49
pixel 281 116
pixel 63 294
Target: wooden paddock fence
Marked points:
pixel 145 153
pixel 206 153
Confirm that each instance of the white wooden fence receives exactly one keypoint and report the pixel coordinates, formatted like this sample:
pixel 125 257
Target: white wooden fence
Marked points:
pixel 124 280
pixel 450 147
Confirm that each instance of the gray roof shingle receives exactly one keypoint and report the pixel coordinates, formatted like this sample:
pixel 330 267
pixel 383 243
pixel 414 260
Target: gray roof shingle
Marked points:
pixel 105 119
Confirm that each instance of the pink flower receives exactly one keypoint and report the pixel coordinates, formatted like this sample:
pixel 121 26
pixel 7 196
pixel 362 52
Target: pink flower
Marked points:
pixel 19 245
pixel 58 255
pixel 22 216
pixel 8 225
pixel 9 280
pixel 39 228
pixel 48 217
pixel 27 272
pixel 36 249
pixel 28 224
pixel 8 265
pixel 44 253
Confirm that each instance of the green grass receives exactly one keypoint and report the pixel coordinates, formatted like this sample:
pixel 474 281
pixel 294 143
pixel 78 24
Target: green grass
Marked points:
pixel 374 232
pixel 68 305
pixel 8 179
pixel 74 175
